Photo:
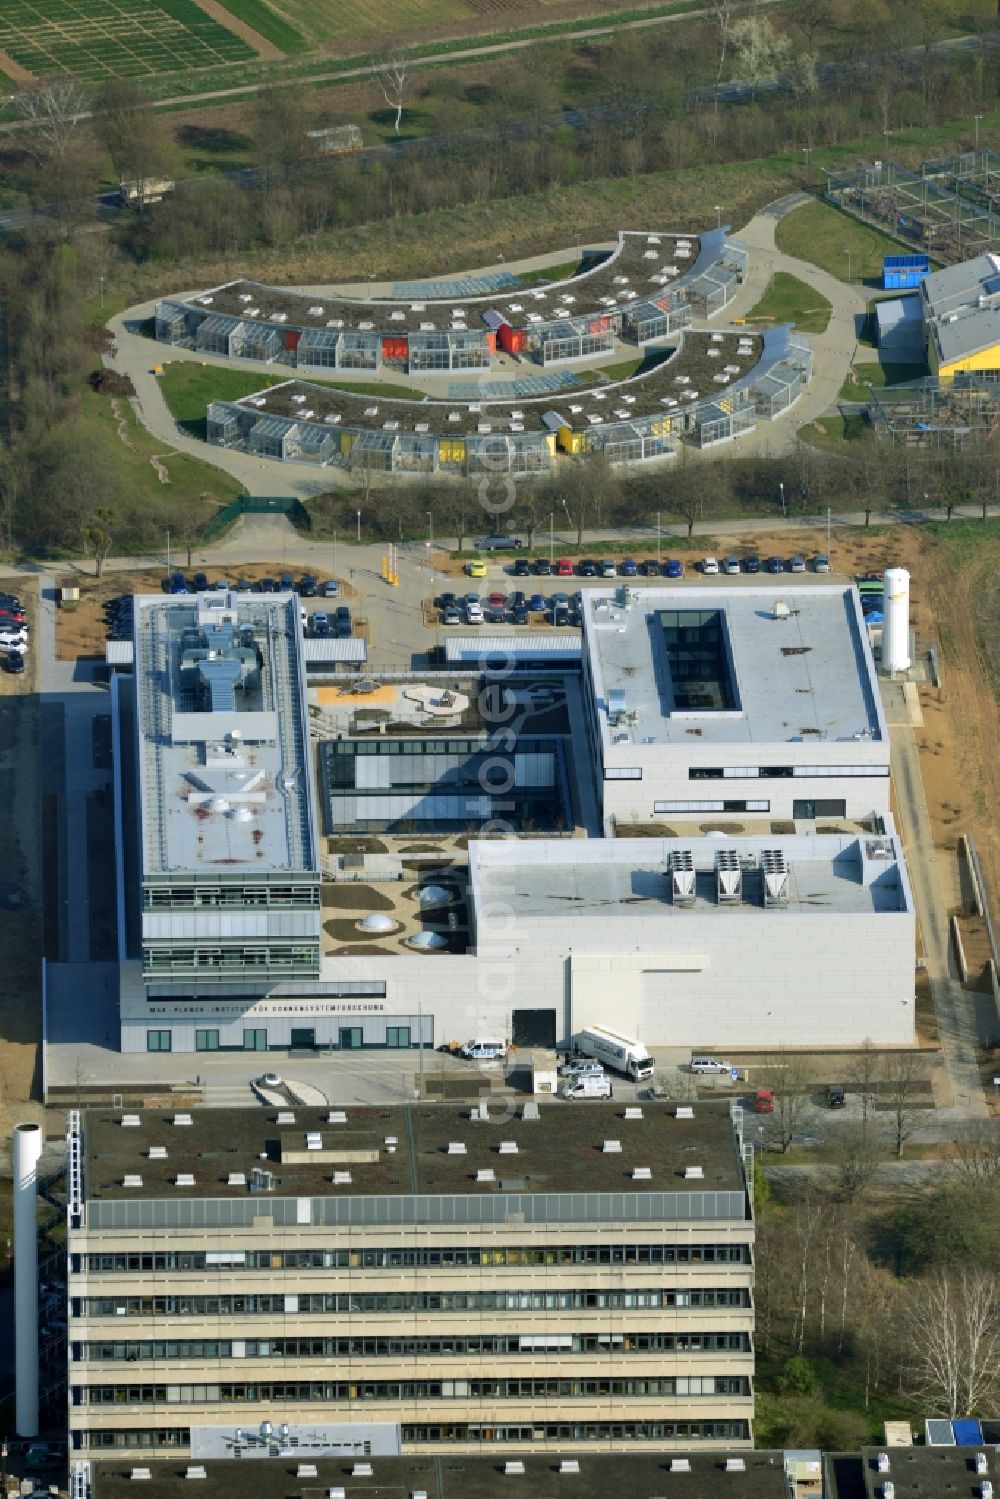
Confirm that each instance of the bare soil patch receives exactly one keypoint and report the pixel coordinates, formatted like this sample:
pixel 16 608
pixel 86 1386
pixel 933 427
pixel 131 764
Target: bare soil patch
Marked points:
pixel 352 897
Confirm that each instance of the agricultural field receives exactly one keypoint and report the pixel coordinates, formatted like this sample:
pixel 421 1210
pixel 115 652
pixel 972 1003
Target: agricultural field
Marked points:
pixel 92 39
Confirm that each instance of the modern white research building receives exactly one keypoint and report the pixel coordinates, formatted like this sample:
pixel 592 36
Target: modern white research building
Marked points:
pixel 748 702
pixel 739 730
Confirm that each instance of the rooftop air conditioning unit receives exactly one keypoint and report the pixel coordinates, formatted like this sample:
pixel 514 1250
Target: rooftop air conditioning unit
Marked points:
pixel 775 873
pixel 682 876
pixel 728 876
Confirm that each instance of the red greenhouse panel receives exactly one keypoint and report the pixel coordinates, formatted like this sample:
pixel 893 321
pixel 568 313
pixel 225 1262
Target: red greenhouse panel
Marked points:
pixel 395 348
pixel 292 336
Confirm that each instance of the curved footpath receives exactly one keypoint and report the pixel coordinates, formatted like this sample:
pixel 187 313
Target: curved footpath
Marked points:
pixel 834 352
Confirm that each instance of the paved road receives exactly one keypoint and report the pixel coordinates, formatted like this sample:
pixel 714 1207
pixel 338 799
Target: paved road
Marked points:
pixel 955 1007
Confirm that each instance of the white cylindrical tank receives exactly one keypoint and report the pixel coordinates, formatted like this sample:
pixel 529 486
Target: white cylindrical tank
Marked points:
pixel 896 627
pixel 27 1149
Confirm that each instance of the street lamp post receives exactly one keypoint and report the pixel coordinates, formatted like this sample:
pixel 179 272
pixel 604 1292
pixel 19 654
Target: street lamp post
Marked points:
pixel 807 152
pixel 371 278
pixel 430 545
pixel 850 267
pixel 552 539
pixel 781 486
pixel 168 557
pixel 657 539
pixel 977 118
pixel 334 554
pixel 718 215
pixel 359 523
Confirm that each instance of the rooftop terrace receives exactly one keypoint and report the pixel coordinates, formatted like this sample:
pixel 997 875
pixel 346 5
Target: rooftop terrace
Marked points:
pixel 224 788
pixel 418 1149
pixel 718 662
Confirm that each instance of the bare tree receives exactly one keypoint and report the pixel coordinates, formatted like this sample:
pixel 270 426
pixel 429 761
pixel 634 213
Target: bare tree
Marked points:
pixel 902 1085
pixel 788 1075
pixel 722 10
pixel 977 1153
pixel 392 74
pixel 97 539
pixel 856 1147
pixel 952 1342
pixel 863 1077
pixel 55 108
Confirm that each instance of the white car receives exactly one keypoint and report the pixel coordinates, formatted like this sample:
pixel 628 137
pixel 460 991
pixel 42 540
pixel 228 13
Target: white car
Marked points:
pixel 731 566
pixel 581 1067
pixel 710 565
pixel 474 614
pixel 14 641
pixel 709 1064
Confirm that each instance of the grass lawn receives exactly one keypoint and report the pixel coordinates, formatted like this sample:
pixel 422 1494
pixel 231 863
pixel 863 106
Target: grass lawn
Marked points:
pixel 855 387
pixel 550 273
pixel 103 449
pixel 821 234
pixel 189 387
pixel 790 300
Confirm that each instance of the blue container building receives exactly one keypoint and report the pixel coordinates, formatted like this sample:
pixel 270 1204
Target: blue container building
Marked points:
pixel 900 271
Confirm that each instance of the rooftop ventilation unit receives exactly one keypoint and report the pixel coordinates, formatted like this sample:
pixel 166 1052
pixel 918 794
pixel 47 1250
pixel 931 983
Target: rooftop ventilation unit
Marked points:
pixel 183 1119
pixel 888 1489
pixel 130 1121
pixel 261 1180
pixel 986 1489
pixel 684 1111
pixel 981 1464
pixel 341 1178
pixel 132 1181
pixel 285 1116
pixel 780 610
pixel 306 1470
pixel 642 1174
pixel 569 1465
pixel 184 1179
pixel 144 1472
pixel 513 1466
pixel 456 1147
pixel 775 875
pixel 157 1152
pixel 237 1179
pixel 361 1470
pixel 485 1174
pixel 681 866
pixel 728 876
pixel 336 1116
pixel 633 1113
pixel 196 1472
pixel 735 1465
pixel 694 1173
pixel 680 1465
pixel 612 1147
pixel 314 1140
pixel 530 1110
pixel 508 1147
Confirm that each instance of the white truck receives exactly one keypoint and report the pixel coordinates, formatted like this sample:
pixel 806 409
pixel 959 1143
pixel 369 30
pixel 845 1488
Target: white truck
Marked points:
pixel 624 1053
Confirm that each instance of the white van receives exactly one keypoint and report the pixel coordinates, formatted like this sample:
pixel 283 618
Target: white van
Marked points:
pixel 708 1064
pixel 484 1050
pixel 589 1086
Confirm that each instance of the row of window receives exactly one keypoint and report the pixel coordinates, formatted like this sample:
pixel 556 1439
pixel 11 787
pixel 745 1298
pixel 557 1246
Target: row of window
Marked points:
pixel 702 806
pixel 779 772
pixel 333 1391
pixel 405 1301
pixel 408 1259
pixel 476 1346
pixel 174 897
pixel 552 1431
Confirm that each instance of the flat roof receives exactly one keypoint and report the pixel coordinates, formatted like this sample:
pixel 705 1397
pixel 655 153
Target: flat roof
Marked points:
pixel 224 783
pixel 561 1151
pixel 683 379
pixel 959 325
pixel 461 1476
pixel 915 1472
pixel 629 878
pixel 641 264
pixel 807 677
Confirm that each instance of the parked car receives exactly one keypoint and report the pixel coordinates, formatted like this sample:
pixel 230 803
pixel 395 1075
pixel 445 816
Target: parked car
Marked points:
pixel 708 1064
pixel 536 603
pixel 751 564
pixel 220 584
pixel 445 600
pixel 730 566
pixel 321 620
pixel 451 616
pixel 286 583
pixel 836 1096
pixel 520 615
pixel 588 1087
pixel 499 542
pixel 342 619
pixel 564 568
pixel 517 599
pixel 608 569
pixel 269 1080
pixel 474 614
pixel 649 567
pixel 497 601
pixel 709 566
pixel 329 589
pixel 675 568
pixel 200 582
pixel 776 564
pixel 307 586
pixel 244 585
pixel 763 1101
pixel 821 563
pixel 798 563
pixel 543 567
pixel 587 568
pixel 177 583
pixel 13 663
pixel 475 569
pixel 268 585
pixel 582 1067
pixel 628 568
pixel 522 568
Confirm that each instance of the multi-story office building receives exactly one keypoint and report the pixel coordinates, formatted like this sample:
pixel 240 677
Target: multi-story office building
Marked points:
pixel 748 702
pixel 410 1279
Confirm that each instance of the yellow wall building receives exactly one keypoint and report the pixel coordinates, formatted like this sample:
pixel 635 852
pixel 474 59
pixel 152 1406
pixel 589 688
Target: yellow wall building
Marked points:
pixel 961 311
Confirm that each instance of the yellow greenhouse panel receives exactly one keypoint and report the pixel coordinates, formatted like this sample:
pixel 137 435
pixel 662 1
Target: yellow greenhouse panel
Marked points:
pixel 570 441
pixel 550 443
pixel 451 451
pixel 346 441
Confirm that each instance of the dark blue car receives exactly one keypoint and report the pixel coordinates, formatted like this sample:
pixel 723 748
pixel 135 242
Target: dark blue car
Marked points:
pixel 536 603
pixel 675 569
pixel 629 569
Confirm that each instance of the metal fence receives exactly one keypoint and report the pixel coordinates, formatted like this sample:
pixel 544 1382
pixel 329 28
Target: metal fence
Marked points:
pixel 256 504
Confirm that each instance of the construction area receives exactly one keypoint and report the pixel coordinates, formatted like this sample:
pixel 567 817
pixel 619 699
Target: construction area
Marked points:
pixel 950 207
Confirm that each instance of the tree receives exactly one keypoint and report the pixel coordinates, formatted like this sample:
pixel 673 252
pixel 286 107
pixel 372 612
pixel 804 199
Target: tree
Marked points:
pixel 279 120
pixel 97 539
pixel 952 1343
pixel 863 1077
pixel 135 137
pixel 761 51
pixel 722 10
pixel 856 1147
pixel 902 1085
pixel 977 1153
pixel 788 1074
pixel 55 108
pixel 392 74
